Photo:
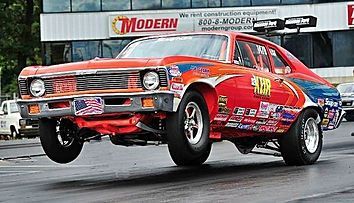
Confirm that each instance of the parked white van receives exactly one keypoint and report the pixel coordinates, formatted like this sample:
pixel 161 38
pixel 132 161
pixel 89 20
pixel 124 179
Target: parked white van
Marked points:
pixel 11 122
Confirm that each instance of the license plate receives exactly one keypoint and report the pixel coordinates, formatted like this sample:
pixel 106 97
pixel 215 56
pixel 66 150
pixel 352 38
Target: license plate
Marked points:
pixel 88 106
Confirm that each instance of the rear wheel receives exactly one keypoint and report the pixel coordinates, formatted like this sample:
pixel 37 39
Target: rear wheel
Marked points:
pixel 188 131
pixel 302 144
pixel 59 140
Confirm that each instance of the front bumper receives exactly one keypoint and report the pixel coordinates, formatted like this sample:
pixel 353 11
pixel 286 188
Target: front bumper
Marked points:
pixel 163 101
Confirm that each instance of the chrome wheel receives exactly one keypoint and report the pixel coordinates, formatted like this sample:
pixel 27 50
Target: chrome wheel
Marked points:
pixel 65 133
pixel 311 135
pixel 193 123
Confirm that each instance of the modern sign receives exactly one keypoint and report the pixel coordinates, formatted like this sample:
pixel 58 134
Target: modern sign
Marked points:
pixel 129 24
pixel 350 15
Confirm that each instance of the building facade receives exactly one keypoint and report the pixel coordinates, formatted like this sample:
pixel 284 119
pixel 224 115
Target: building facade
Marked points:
pixel 76 30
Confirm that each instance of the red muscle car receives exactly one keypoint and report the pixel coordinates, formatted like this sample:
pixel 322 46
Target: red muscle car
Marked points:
pixel 186 90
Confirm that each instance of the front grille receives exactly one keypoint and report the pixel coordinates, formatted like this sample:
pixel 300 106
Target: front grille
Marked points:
pixel 163 77
pixel 103 80
pixel 23 86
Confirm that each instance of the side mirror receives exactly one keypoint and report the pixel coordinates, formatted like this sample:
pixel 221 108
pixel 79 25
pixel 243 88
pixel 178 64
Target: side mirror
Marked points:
pixel 1 113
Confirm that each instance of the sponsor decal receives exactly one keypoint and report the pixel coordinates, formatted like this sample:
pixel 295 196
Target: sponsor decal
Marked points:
pixel 350 15
pixel 200 71
pixel 261 121
pixel 177 79
pixel 177 88
pixel 251 112
pixel 280 130
pixel 234 118
pixel 263 111
pixel 272 122
pixel 262 86
pixel 249 120
pixel 325 122
pixel 321 102
pixel 255 127
pixel 122 25
pixel 174 71
pixel 222 101
pixel 243 126
pixel 221 117
pixel 238 111
pixel 267 128
pixel 232 125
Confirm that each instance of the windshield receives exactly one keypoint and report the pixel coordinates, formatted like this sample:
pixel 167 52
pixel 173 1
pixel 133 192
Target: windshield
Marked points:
pixel 204 46
pixel 13 108
pixel 346 88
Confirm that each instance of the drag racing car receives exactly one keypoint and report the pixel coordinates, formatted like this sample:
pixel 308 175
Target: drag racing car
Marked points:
pixel 187 90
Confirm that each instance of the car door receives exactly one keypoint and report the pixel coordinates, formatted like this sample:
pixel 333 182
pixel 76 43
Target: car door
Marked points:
pixel 259 93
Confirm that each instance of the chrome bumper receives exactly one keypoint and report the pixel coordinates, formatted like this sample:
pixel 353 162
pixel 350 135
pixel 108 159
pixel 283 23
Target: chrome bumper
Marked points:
pixel 163 101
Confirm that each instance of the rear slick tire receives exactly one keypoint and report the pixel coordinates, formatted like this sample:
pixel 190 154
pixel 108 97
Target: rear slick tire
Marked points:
pixel 59 140
pixel 302 144
pixel 188 131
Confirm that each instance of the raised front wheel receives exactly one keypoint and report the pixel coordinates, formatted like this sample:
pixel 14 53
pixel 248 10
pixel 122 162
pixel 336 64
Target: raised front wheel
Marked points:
pixel 59 140
pixel 188 131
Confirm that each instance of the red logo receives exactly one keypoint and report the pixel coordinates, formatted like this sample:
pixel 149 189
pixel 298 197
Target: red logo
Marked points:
pixel 122 24
pixel 351 15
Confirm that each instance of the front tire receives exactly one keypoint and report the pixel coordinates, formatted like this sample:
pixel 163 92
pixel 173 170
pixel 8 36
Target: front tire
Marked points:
pixel 59 140
pixel 188 131
pixel 302 144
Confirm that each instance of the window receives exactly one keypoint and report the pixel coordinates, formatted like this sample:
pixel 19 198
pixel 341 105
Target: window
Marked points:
pixel 303 50
pixel 265 2
pixel 343 48
pixel 4 109
pixel 86 5
pixel 205 3
pixel 322 50
pixel 208 46
pixel 296 1
pixel 145 4
pixel 114 5
pixel 236 3
pixel 86 50
pixel 176 4
pixel 111 48
pixel 13 108
pixel 56 53
pixel 56 6
pixel 280 66
pixel 254 56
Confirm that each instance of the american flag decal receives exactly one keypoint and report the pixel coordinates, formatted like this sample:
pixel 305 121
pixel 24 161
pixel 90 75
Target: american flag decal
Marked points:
pixel 88 106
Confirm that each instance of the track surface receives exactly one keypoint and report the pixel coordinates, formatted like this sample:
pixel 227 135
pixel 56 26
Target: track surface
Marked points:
pixel 109 173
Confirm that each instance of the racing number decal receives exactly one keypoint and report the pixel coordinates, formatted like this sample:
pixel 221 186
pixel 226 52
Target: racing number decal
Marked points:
pixel 262 86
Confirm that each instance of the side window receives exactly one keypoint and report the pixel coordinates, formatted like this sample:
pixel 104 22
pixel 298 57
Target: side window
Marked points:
pixel 4 109
pixel 237 56
pixel 280 66
pixel 254 56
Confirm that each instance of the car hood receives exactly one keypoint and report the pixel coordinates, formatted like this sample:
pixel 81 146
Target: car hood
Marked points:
pixel 99 64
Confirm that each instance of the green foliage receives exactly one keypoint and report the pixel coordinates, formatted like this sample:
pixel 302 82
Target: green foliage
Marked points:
pixel 19 39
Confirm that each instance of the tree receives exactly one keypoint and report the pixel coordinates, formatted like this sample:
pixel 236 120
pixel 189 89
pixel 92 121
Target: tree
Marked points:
pixel 19 39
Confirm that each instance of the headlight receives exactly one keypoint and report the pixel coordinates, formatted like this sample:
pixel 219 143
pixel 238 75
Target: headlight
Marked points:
pixel 37 88
pixel 151 80
pixel 22 122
